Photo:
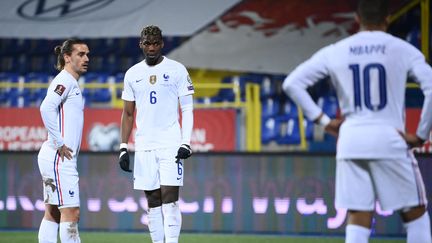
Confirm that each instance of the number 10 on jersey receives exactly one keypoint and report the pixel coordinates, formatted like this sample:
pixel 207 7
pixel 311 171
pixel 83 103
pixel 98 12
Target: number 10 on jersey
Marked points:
pixel 362 78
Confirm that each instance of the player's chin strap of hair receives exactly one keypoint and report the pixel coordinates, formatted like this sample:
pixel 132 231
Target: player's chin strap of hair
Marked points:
pixel 123 149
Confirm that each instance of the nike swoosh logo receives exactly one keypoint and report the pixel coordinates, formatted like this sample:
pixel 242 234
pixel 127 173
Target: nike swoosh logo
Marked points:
pixel 178 178
pixel 77 93
pixel 138 80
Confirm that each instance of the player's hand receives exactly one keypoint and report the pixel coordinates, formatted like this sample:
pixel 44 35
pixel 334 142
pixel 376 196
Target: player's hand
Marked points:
pixel 412 140
pixel 333 127
pixel 184 152
pixel 65 151
pixel 124 158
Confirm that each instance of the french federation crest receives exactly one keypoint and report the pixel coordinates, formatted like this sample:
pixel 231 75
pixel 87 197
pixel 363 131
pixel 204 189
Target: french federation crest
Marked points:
pixel 152 79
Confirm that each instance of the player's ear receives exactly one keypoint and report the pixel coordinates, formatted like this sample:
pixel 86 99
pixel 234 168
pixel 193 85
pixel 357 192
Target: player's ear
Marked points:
pixel 162 44
pixel 141 46
pixel 66 58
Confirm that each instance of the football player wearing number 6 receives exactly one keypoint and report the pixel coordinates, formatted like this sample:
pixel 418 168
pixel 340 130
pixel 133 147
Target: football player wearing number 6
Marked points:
pixel 374 160
pixel 155 87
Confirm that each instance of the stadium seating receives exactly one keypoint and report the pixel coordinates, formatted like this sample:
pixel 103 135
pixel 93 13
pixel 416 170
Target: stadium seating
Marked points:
pixel 32 61
pixel 270 130
pixel 270 107
pixel 10 95
pixel 34 96
pixel 95 96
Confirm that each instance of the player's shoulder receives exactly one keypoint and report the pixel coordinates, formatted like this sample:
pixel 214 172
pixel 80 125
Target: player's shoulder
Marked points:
pixel 64 78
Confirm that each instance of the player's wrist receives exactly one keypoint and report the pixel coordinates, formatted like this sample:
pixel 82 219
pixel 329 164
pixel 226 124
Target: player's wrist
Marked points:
pixel 123 146
pixel 324 120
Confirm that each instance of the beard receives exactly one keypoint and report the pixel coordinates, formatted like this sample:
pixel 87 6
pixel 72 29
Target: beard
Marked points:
pixel 152 60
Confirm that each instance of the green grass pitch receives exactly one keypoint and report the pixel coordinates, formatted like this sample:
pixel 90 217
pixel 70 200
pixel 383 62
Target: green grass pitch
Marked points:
pixel 111 237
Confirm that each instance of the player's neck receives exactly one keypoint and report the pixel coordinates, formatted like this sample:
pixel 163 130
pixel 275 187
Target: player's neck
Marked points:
pixel 72 72
pixel 382 27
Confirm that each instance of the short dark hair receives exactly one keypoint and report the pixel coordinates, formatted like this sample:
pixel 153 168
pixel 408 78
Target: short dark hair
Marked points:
pixel 65 48
pixel 151 30
pixel 373 12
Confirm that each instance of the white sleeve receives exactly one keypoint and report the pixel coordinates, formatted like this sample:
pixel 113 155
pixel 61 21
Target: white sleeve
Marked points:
pixel 127 93
pixel 186 105
pixel 51 107
pixel 305 75
pixel 185 86
pixel 421 72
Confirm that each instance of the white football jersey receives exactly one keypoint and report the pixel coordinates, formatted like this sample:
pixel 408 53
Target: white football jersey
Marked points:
pixel 155 91
pixel 369 71
pixel 62 113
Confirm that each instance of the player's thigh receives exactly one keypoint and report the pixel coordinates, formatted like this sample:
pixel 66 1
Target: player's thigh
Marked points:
pixel 60 182
pixel 171 169
pixel 398 183
pixel 354 188
pixel 146 171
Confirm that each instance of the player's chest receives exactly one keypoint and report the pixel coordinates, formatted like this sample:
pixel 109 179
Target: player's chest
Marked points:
pixel 75 98
pixel 154 81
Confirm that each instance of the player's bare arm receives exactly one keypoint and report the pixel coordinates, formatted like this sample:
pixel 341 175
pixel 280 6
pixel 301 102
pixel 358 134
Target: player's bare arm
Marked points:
pixel 412 140
pixel 127 120
pixel 126 128
pixel 331 126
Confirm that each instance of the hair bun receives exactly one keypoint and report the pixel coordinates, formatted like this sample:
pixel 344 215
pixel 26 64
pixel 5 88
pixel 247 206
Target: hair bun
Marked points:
pixel 57 50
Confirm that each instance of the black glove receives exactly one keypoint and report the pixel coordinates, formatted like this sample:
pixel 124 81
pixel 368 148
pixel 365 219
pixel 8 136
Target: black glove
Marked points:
pixel 124 160
pixel 184 152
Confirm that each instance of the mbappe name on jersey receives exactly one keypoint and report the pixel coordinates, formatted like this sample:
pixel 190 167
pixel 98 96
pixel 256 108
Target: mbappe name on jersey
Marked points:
pixel 367 49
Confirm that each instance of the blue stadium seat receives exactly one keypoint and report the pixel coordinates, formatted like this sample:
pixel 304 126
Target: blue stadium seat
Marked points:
pixel 289 132
pixel 102 46
pixel 125 62
pixel 14 64
pixel 97 64
pixel 289 109
pixel 96 95
pixel 119 79
pixel 9 96
pixel 329 105
pixel 277 81
pixel 225 94
pixel 268 88
pixel 248 78
pixel 111 65
pixel 34 96
pixel 270 130
pixel 127 47
pixel 40 47
pixel 270 107
pixel 13 47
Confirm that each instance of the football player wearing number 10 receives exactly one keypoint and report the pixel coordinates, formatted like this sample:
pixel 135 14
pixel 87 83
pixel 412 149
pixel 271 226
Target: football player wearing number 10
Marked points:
pixel 369 71
pixel 155 87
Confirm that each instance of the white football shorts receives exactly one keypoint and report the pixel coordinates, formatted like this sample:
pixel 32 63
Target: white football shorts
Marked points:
pixel 60 182
pixel 153 168
pixel 394 183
